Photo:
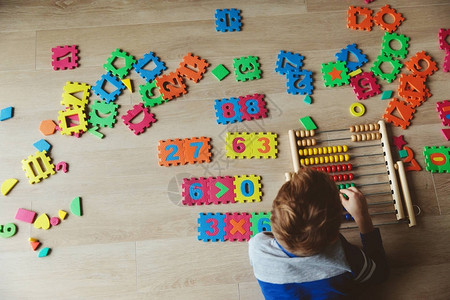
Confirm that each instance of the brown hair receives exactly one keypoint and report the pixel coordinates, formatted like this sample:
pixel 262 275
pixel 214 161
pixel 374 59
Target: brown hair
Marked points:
pixel 307 212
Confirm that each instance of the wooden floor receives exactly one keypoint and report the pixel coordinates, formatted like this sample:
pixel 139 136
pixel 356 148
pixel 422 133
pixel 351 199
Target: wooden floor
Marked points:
pixel 135 240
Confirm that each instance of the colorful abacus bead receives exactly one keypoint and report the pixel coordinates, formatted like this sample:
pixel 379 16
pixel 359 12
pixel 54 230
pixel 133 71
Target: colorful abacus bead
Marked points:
pixel 304 133
pixel 366 137
pixel 364 127
pixel 307 142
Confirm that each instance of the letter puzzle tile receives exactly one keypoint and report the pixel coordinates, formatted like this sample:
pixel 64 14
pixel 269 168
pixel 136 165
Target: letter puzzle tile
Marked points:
pixel 197 150
pixel 237 227
pixel 228 20
pixel 211 227
pixel 171 152
pixel 365 85
pixel 247 188
pixel 195 191
pixel 247 68
pixel 65 57
pixel 150 94
pixel 344 55
pixel 401 39
pixel 355 13
pixel 38 167
pixel 260 222
pixel 299 82
pixel 221 190
pixel 147 120
pixel 103 114
pixel 443 107
pixel 288 62
pixel 252 107
pixel 265 145
pixel 381 59
pixel 128 60
pixel 69 98
pixel 335 74
pixel 192 67
pixel 149 59
pixel 171 85
pixel 227 111
pixel 239 145
pixel 99 87
pixel 437 159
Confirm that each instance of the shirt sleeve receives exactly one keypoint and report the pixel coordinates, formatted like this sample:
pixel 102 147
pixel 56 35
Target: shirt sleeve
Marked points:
pixel 369 264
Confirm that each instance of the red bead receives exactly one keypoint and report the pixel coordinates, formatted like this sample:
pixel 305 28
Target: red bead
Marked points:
pixel 333 168
pixel 345 177
pixel 328 169
pixel 338 168
pixel 349 167
pixel 350 176
pixel 340 177
pixel 324 169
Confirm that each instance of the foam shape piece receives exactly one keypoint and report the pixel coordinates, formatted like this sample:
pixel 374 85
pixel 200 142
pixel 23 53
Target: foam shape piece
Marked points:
pixel 32 239
pixel 211 227
pixel 146 121
pixel 228 20
pixel 6 113
pixel 307 99
pixel 127 82
pixel 76 207
pixel 171 152
pixel 354 73
pixel 34 245
pixel 103 114
pixel 415 66
pixel 247 68
pixel 54 221
pixel 38 167
pixel 42 145
pixel 289 62
pixel 62 165
pixel 220 72
pixel 65 117
pixel 8 230
pixel 357 109
pixel 150 94
pixel 239 145
pixel 149 59
pixel 197 150
pixel 335 74
pixel 71 96
pixel 42 222
pixel 443 108
pixel 237 227
pixel 62 214
pixel 94 131
pixel 44 252
pixel 8 185
pixel 446 133
pixel 308 123
pixel 65 57
pixel 260 222
pixel 443 34
pixel 114 81
pixel 403 153
pixel 47 127
pixel 25 215
pixel 387 95
pixel 128 59
pixel 399 141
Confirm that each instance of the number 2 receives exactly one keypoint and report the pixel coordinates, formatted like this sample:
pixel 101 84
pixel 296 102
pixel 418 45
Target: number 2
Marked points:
pixel 174 149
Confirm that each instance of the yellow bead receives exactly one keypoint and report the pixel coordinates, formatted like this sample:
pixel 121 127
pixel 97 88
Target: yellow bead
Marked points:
pixel 345 148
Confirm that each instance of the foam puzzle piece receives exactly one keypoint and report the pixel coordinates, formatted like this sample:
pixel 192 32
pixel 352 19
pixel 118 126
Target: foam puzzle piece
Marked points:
pixel 103 114
pixel 403 153
pixel 44 252
pixel 443 108
pixel 265 145
pixel 357 109
pixel 415 63
pixel 35 245
pixel 446 64
pixel 128 83
pixel 8 185
pixel 389 77
pixel 65 57
pixel 149 59
pixel 211 227
pixel 335 74
pixel 71 90
pixel 299 82
pixel 171 85
pixel 247 188
pixel 288 62
pixel 138 110
pixel 42 222
pixel 25 215
pixel 308 123
pixel 54 221
pixel 344 55
pixel 197 150
pixel 386 48
pixel 446 133
pixel 42 145
pixel 260 222
pixel 239 145
pixel 8 230
pixel 413 89
pixel 387 95
pixel 365 85
pixel 6 113
pixel 150 94
pixel 220 72
pixel 307 99
pixel 63 166
pixel 437 159
pixel 192 67
pixel 391 26
pixel 354 13
pixel 237 227
pixel 94 131
pixel 221 190
pixel 247 68
pixel 228 20
pixel 195 191
pixel 171 152
pixel 227 111
pixel 100 91
pixel 399 141
pixel 354 73
pixel 76 206
pixel 47 127
pixel 252 107
pixel 38 167
pixel 72 121
pixel 128 61
pixel 62 214
pixel 404 109
pixel 443 34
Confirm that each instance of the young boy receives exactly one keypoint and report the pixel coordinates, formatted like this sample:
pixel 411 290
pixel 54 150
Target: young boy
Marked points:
pixel 305 256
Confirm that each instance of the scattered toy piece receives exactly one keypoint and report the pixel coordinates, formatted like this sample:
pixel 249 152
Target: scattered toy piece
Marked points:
pixel 365 85
pixel 171 85
pixel 446 134
pixel 148 95
pixel 237 227
pixel 25 215
pixel 122 72
pixel 414 64
pixel 335 74
pixel 308 123
pixel 41 163
pixel 211 227
pixel 42 145
pixel 65 57
pixel 247 188
pixel 100 91
pixel 354 73
pixel 228 20
pixel 44 252
pixel 307 99
pixel 149 59
pixel 344 55
pixel 54 221
pixel 62 165
pixel 443 107
pixel 192 67
pixel 413 89
pixel 437 159
pixel 354 13
pixel 103 114
pixel 404 109
pixel 220 72
pixel 76 207
pixel 31 239
pixel 8 185
pixel 399 141
pixel 8 230
pixel 47 127
pixel 195 191
pixel 34 245
pixel 389 27
pixel 247 68
pixel 403 153
pixel 389 77
pixel 127 82
pixel 386 95
pixel 94 131
pixel 42 221
pixel 72 121
pixel 288 62
pixel 6 113
pixel 386 48
pixel 357 109
pixel 299 82
pixel 147 120
pixel 71 92
pixel 62 214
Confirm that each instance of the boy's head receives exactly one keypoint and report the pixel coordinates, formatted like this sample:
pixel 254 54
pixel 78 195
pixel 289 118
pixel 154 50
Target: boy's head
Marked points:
pixel 306 214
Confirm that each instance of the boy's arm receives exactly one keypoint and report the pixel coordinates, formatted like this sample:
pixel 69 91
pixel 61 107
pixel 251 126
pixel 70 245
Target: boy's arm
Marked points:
pixel 370 263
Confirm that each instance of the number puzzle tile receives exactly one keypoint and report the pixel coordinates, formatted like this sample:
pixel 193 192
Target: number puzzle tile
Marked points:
pixel 247 188
pixel 171 152
pixel 8 185
pixel 138 112
pixel 228 20
pixel 260 222
pixel 391 26
pixel 25 215
pixel 443 108
pixel 171 85
pixel 221 190
pixel 38 167
pixel 220 72
pixel 99 90
pixel 335 74
pixel 401 108
pixel 149 59
pixel 239 145
pixel 150 94
pixel 192 67
pixel 195 191
pixel 42 145
pixel 65 57
pixel 355 13
pixel 103 114
pixel 237 227
pixel 197 150
pixel 389 77
pixel 437 159
pixel 365 85
pixel 299 82
pixel 344 55
pixel 42 222
pixel 415 63
pixel 69 96
pixel 76 206
pixel 6 113
pixel 112 60
pixel 288 62
pixel 227 111
pixel 252 107
pixel 8 230
pixel 413 89
pixel 265 145
pixel 72 121
pixel 247 68
pixel 211 227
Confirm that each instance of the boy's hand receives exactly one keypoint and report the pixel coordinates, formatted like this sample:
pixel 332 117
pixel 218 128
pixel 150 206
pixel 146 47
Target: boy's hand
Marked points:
pixel 356 205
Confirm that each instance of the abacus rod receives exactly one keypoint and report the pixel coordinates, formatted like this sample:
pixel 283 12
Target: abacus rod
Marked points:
pixel 375 183
pixel 380 203
pixel 364 155
pixel 381 173
pixel 369 165
pixel 378 193
pixel 378 224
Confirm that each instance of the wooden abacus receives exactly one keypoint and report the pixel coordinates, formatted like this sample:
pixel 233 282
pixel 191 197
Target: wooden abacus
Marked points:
pixel 301 142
